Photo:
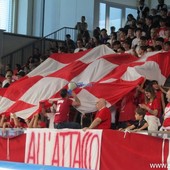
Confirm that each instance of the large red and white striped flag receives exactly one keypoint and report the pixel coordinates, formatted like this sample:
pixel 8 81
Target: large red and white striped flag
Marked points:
pixel 111 77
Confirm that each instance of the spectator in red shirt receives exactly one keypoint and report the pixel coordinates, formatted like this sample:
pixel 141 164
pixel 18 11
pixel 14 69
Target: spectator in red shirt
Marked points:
pixel 102 119
pixel 62 108
pixel 151 106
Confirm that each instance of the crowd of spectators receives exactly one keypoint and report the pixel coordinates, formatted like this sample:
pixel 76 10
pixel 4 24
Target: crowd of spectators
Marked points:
pixel 149 32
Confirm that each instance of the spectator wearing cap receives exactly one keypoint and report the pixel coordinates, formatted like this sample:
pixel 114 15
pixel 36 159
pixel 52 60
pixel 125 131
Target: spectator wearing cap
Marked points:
pixel 69 44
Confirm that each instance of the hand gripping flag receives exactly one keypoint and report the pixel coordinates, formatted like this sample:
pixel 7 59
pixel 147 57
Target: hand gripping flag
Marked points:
pixel 110 75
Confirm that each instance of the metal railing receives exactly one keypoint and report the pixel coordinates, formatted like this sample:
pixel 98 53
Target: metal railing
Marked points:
pixel 21 55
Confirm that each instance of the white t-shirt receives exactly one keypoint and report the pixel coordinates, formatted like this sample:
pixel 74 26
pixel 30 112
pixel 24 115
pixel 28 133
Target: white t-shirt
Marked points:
pixel 51 120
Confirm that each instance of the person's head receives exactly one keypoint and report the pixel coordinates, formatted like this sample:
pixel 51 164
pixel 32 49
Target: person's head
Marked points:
pixel 141 2
pixel 149 93
pixel 121 50
pixel 160 41
pixel 116 45
pixel 126 44
pixel 142 50
pixel 100 103
pixel 18 66
pixel 103 32
pixel 130 17
pixel 161 2
pixel 149 20
pixel 138 32
pixel 113 35
pixel 112 29
pixel 168 95
pixel 155 84
pixel 143 41
pixel 163 12
pixel 130 32
pixel 20 74
pixel 64 93
pixel 83 18
pixel 153 33
pixel 122 32
pixel 68 36
pixel 79 43
pixel 167 33
pixel 9 74
pixel 139 113
pixel 153 11
pixel 7 67
pixel 167 46
pixel 162 22
pixel 158 47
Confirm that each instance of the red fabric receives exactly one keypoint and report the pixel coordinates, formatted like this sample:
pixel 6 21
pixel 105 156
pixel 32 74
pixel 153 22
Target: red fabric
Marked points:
pixel 105 115
pixel 159 98
pixel 16 146
pixel 111 79
pixel 42 124
pixel 153 106
pixel 63 109
pixel 118 152
pixel 166 122
pixel 134 152
pixel 127 110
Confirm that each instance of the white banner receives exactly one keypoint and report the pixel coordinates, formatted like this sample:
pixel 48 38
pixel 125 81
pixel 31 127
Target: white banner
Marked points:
pixel 66 148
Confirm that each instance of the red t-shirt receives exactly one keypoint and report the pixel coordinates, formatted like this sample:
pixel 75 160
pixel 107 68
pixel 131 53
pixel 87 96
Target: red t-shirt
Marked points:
pixel 159 99
pixel 153 106
pixel 105 115
pixel 127 108
pixel 62 111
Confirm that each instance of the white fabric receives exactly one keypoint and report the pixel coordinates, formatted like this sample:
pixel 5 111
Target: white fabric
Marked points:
pixel 153 122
